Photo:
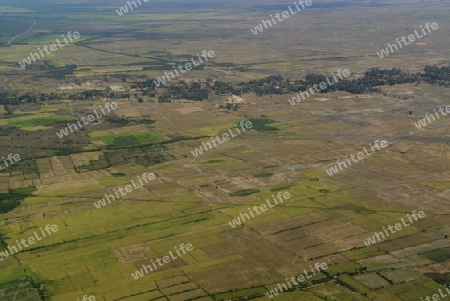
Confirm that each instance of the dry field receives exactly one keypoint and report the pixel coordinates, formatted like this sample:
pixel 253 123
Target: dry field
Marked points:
pixel 190 202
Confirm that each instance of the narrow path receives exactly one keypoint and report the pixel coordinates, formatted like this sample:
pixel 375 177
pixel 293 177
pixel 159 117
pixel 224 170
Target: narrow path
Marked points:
pixel 31 27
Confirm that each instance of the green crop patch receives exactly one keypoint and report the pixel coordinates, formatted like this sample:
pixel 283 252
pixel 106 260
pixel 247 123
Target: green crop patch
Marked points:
pixel 245 192
pixel 262 125
pixel 36 121
pixel 363 253
pixel 437 185
pixel 263 175
pixel 281 187
pixel 130 139
pixel 438 255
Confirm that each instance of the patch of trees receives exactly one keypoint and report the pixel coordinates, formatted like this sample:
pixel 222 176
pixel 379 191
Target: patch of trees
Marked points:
pixel 61 72
pixel 224 88
pixel 194 91
pixel 276 84
pixel 6 99
pixel 147 87
pixel 148 84
pixel 52 70
pixel 435 75
pixel 369 83
pixel 12 199
pixel 164 98
pixel 8 110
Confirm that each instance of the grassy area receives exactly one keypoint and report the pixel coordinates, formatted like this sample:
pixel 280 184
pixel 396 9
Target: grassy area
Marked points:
pixel 32 121
pixel 125 140
pixel 262 125
pixel 363 253
pixel 437 185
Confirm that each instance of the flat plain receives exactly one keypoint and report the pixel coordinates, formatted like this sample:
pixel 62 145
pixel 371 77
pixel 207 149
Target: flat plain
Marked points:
pixel 193 199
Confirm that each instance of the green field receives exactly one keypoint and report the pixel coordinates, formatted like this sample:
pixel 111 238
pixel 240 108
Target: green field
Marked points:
pixel 39 121
pixel 126 140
